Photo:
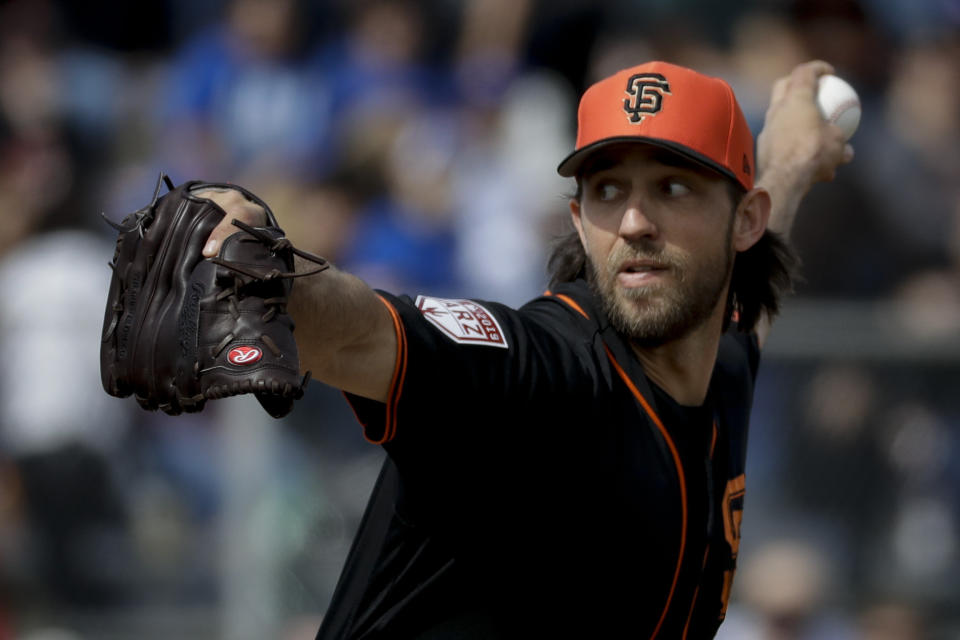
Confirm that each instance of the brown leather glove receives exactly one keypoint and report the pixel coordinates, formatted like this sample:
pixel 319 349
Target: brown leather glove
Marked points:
pixel 179 329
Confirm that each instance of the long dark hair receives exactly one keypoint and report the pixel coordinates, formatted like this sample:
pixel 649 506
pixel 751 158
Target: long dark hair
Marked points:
pixel 762 274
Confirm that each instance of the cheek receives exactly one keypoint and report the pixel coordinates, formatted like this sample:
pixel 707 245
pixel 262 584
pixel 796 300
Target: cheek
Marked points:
pixel 602 217
pixel 597 240
pixel 706 235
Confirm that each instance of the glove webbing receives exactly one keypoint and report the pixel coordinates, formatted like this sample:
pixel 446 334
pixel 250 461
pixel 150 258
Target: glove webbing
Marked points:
pixel 276 245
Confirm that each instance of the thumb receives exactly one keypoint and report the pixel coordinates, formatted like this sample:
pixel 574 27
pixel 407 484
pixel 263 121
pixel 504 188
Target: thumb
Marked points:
pixel 234 206
pixel 217 236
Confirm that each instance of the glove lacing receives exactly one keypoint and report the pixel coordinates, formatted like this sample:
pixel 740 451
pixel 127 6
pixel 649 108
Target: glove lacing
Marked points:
pixel 245 275
pixel 142 217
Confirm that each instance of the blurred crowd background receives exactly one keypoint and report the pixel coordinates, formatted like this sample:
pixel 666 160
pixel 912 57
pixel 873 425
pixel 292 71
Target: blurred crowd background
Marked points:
pixel 415 143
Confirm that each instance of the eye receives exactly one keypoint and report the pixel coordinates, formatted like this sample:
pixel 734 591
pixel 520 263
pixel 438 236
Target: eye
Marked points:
pixel 674 187
pixel 607 191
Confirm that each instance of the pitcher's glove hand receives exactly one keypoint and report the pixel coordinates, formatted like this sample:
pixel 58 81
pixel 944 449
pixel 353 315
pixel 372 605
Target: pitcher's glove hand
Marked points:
pixel 180 329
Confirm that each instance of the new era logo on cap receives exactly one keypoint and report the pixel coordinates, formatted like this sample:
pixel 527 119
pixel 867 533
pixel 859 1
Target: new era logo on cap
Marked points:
pixel 669 106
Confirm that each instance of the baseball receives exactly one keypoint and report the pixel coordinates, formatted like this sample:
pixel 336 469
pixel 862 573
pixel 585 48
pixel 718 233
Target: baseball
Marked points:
pixel 839 104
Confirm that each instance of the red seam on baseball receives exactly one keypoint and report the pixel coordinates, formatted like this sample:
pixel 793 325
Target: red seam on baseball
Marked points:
pixel 840 108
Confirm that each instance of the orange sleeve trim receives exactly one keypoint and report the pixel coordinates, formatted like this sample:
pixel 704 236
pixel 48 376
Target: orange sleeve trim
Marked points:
pixel 396 382
pixel 680 477
pixel 570 301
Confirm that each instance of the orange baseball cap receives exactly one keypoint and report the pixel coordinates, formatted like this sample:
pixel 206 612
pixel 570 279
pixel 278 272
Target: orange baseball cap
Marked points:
pixel 669 106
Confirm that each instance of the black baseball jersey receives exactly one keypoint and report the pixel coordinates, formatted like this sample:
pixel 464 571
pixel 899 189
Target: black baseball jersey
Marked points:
pixel 538 484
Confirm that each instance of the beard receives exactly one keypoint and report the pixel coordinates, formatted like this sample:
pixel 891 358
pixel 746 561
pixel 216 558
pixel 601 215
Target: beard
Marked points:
pixel 659 313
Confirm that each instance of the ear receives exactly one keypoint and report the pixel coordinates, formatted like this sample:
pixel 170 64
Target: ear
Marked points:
pixel 575 217
pixel 750 218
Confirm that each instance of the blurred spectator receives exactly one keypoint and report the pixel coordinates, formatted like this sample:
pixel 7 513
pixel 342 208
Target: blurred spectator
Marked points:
pixel 892 621
pixel 847 34
pixel 927 302
pixel 56 425
pixel 508 196
pixel 243 95
pixel 922 544
pixel 788 586
pixel 65 540
pixel 404 240
pixel 30 87
pixel 488 51
pixel 836 444
pixel 843 231
pixel 505 189
pixel 317 216
pixel 377 74
pixel 762 45
pixel 928 305
pixel 914 165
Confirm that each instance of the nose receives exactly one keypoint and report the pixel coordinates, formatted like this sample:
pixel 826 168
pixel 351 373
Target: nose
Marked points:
pixel 636 223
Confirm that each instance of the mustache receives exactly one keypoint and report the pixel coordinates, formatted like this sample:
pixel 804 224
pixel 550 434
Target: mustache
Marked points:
pixel 663 258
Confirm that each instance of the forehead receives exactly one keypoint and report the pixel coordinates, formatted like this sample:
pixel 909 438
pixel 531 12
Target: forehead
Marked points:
pixel 634 155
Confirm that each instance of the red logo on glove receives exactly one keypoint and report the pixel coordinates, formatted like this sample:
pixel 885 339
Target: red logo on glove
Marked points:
pixel 244 355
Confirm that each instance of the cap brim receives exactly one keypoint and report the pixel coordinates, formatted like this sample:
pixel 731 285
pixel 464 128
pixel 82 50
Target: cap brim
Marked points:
pixel 570 166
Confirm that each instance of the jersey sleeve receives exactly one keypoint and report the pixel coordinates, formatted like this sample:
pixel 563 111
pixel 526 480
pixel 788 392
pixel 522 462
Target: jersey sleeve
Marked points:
pixel 468 371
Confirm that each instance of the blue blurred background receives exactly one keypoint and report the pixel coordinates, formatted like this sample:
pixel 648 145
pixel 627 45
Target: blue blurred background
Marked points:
pixel 415 143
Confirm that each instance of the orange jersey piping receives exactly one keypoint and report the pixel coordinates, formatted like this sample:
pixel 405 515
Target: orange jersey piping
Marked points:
pixel 570 301
pixel 713 440
pixel 680 476
pixel 396 381
pixel 696 592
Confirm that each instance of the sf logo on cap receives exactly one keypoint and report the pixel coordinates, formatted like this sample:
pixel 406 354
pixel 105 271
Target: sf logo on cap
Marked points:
pixel 646 95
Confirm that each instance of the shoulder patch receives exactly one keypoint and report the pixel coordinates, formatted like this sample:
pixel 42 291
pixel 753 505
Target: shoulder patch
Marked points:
pixel 463 321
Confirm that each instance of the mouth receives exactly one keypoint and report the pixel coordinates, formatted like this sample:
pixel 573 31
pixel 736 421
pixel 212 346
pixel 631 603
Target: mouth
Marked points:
pixel 637 273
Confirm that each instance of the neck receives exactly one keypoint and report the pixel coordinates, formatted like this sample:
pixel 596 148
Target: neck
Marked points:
pixel 683 367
